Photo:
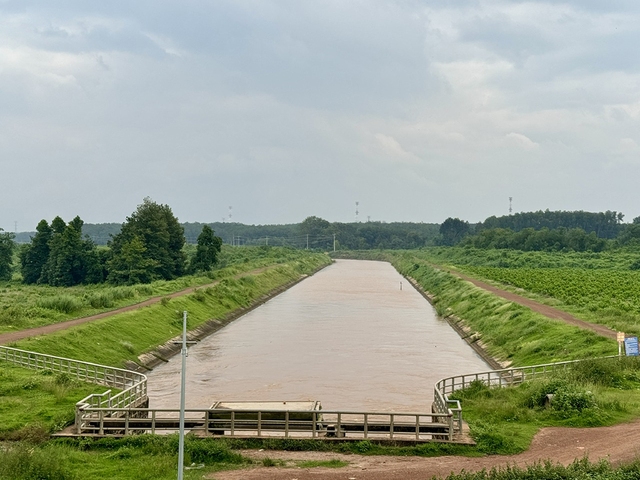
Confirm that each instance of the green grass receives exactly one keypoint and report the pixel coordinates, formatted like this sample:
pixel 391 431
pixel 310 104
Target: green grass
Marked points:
pixel 36 403
pixel 30 306
pixel 596 287
pixel 579 470
pixel 510 332
pixel 144 457
pixel 590 394
pixel 121 337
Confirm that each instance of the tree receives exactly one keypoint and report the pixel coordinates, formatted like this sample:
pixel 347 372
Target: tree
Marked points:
pixel 131 266
pixel 72 260
pixel 34 255
pixel 162 237
pixel 314 226
pixel 207 251
pixel 7 246
pixel 453 230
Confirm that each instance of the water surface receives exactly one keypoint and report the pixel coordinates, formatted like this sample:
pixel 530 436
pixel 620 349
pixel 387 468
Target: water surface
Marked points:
pixel 356 336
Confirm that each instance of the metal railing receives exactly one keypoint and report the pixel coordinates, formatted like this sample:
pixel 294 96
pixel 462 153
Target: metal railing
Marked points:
pixel 493 378
pixel 270 423
pixel 132 384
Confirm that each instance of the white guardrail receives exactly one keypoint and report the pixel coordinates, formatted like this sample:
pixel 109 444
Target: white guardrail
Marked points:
pixel 493 378
pixel 133 385
pixel 134 393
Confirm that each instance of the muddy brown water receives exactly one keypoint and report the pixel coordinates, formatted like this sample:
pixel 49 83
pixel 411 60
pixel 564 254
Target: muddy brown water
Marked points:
pixel 348 336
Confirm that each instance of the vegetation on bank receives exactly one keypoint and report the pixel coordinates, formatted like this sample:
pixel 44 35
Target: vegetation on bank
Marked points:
pixel 593 393
pixel 148 247
pixel 579 470
pixel 34 404
pixel 124 336
pixel 509 332
pixel 596 287
pixel 29 306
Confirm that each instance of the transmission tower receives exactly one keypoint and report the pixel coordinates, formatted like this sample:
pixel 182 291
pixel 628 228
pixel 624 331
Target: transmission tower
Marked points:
pixel 357 203
pixel 510 209
pixel 230 208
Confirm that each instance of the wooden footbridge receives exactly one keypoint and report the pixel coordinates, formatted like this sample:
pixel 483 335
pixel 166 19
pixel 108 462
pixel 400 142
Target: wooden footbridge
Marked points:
pixel 127 412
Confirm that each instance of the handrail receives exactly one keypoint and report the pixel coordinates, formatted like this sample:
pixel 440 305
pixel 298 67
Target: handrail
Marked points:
pixel 269 422
pixel 493 378
pixel 132 384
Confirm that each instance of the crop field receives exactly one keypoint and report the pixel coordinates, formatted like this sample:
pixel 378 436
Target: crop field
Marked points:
pixel 593 289
pixel 601 288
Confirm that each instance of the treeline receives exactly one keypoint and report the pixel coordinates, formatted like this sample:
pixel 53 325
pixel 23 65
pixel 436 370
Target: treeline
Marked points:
pixel 370 235
pixel 361 236
pixel 598 236
pixel 149 246
pixel 604 224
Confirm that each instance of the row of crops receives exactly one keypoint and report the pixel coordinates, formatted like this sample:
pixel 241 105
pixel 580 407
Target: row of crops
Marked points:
pixel 597 287
pixel 593 289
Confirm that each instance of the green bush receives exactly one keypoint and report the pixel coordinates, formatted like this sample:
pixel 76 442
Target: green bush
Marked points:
pixel 61 303
pixel 22 462
pixel 101 300
pixel 571 399
pixel 541 388
pixel 210 451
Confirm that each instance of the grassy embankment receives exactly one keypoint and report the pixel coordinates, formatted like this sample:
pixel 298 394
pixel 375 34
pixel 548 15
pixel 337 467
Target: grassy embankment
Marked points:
pixel 601 288
pixel 593 394
pixel 33 404
pixel 505 420
pixel 122 337
pixel 28 306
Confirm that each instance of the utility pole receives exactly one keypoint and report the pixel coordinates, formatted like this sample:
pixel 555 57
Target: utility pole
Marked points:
pixel 334 242
pixel 182 387
pixel 307 241
pixel 267 241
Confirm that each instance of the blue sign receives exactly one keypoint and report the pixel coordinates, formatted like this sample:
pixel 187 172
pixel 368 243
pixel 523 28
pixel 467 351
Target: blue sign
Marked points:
pixel 631 346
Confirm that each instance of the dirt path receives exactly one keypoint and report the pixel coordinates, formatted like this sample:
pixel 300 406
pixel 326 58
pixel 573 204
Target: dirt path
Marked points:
pixel 9 337
pixel 545 310
pixel 618 444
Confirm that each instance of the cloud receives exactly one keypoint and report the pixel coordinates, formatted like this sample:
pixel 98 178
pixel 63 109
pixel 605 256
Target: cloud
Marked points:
pixel 399 104
pixel 521 140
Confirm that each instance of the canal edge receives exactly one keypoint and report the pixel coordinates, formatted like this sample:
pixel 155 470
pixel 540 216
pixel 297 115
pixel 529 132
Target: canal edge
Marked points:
pixel 162 353
pixel 467 334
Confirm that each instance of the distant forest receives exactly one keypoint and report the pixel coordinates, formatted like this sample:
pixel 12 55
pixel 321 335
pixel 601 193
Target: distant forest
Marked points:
pixel 554 230
pixel 314 232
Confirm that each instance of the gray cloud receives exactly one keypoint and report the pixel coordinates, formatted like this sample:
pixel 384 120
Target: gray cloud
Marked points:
pixel 419 110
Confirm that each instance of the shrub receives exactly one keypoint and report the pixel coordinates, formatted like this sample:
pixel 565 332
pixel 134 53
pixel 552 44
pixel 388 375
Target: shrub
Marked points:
pixel 101 300
pixel 61 303
pixel 571 399
pixel 18 462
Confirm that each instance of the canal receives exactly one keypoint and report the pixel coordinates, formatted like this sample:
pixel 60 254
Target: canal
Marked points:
pixel 356 336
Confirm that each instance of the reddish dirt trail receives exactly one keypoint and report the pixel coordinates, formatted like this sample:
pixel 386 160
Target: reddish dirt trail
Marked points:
pixel 545 310
pixel 9 337
pixel 618 444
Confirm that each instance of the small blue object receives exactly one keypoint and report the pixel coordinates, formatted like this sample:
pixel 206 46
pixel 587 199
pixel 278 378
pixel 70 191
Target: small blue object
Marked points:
pixel 631 346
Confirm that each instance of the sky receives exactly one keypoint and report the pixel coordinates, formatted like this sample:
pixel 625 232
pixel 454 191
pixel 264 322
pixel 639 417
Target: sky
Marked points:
pixel 274 110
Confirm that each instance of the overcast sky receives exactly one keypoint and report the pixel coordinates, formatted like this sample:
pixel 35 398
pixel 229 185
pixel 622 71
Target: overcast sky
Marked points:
pixel 419 110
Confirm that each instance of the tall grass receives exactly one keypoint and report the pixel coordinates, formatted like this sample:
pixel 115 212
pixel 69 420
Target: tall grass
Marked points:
pixel 586 394
pixel 121 337
pixel 61 303
pixel 510 332
pixel 29 306
pixel 579 470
